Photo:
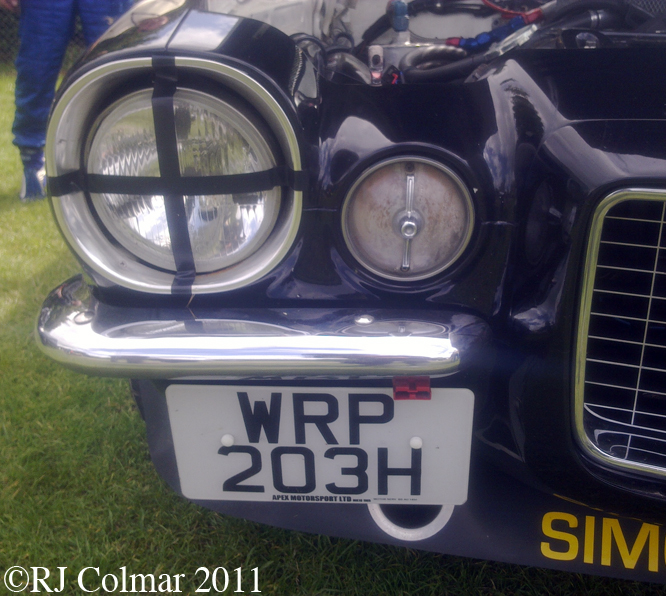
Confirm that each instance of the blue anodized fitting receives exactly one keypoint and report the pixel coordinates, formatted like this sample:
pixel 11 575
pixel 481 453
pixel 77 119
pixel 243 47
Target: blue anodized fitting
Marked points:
pixel 397 10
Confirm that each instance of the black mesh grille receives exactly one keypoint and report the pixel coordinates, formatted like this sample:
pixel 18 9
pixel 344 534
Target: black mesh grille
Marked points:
pixel 653 7
pixel 625 370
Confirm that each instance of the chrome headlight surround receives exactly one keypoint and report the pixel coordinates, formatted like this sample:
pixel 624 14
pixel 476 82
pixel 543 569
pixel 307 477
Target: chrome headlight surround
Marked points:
pixel 395 215
pixel 67 132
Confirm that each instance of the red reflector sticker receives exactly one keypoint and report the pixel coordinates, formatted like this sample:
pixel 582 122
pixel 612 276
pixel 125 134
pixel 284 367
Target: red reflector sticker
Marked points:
pixel 411 387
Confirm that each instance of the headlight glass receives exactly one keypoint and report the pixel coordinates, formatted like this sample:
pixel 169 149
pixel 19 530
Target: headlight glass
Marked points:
pixel 214 138
pixel 407 218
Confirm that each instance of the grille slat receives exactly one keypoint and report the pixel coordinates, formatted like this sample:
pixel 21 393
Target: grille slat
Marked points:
pixel 629 365
pixel 642 320
pixel 626 341
pixel 619 416
pixel 589 402
pixel 622 393
pixel 618 293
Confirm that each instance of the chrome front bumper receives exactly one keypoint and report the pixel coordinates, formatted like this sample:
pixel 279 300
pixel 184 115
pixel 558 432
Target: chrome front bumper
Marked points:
pixel 80 332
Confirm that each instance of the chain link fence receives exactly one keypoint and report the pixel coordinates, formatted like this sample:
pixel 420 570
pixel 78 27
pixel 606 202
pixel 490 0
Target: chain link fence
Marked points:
pixel 8 37
pixel 9 41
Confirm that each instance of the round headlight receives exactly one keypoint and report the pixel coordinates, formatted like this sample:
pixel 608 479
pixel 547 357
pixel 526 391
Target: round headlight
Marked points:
pixel 214 138
pixel 407 218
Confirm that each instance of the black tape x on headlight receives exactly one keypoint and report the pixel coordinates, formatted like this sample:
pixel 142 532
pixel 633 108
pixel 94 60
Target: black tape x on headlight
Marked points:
pixel 170 188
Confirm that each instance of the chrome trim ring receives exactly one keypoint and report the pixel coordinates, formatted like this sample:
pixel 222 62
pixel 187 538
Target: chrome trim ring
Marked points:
pixel 67 125
pixel 587 291
pixel 67 131
pixel 458 183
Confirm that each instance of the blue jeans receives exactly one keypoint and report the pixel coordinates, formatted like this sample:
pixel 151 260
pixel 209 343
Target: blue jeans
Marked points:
pixel 45 28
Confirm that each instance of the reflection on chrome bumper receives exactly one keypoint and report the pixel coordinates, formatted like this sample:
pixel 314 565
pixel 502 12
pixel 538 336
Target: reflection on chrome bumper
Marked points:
pixel 80 332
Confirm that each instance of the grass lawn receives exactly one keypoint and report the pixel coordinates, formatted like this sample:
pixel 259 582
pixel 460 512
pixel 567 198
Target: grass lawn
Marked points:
pixel 77 488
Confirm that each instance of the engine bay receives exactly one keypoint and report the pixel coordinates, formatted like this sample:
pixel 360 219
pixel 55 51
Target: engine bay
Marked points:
pixel 442 40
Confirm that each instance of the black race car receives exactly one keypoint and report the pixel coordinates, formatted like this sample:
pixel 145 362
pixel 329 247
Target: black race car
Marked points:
pixel 395 273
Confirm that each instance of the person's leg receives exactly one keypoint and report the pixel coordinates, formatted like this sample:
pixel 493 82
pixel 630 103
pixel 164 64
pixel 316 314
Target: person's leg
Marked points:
pixel 45 27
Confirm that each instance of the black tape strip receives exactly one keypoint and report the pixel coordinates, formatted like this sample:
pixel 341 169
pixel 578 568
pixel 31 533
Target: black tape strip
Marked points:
pixel 165 78
pixel 170 184
pixel 183 185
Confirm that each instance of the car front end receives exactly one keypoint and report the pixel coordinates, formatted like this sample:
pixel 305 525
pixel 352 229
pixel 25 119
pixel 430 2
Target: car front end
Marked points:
pixel 388 286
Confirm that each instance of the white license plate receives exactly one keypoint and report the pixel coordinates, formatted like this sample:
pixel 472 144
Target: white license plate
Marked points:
pixel 331 445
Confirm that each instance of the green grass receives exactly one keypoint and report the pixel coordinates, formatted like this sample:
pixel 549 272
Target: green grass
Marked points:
pixel 77 487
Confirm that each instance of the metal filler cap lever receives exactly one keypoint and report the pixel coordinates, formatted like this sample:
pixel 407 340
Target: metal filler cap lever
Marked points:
pixel 408 223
